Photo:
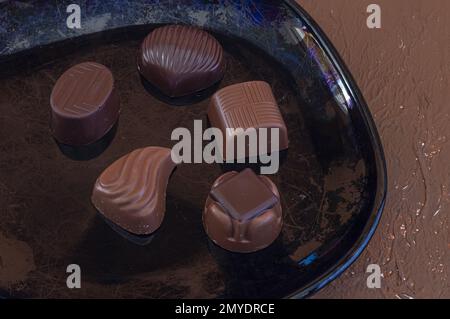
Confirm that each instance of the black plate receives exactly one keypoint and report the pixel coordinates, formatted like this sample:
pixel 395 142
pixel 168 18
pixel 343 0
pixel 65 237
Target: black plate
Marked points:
pixel 333 180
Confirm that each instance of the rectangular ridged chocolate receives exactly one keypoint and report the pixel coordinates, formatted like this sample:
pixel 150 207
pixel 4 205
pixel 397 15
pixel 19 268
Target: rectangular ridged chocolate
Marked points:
pixel 247 105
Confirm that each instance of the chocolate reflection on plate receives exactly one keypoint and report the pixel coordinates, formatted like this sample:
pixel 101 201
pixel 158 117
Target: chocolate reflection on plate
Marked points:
pixel 255 164
pixel 247 274
pixel 194 98
pixel 141 240
pixel 90 151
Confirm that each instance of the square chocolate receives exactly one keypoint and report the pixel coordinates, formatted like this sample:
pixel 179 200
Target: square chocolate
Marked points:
pixel 245 106
pixel 244 196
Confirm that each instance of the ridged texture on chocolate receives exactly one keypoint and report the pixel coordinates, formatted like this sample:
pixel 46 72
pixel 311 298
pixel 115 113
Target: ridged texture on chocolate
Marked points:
pixel 181 60
pixel 247 105
pixel 84 104
pixel 243 236
pixel 132 191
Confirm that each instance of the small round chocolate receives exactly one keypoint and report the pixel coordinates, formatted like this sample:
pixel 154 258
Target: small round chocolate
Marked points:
pixel 84 104
pixel 243 212
pixel 181 60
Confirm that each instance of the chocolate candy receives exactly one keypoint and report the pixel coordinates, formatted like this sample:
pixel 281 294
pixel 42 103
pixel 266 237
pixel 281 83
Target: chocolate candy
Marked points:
pixel 84 104
pixel 131 193
pixel 243 106
pixel 243 212
pixel 181 60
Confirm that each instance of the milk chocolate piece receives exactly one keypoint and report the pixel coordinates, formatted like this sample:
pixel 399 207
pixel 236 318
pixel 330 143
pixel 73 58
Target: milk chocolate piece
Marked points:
pixel 243 212
pixel 181 60
pixel 84 104
pixel 243 106
pixel 131 193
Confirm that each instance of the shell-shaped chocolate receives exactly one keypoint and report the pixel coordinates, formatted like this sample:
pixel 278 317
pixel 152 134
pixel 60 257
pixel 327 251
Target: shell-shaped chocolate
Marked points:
pixel 132 191
pixel 84 104
pixel 181 60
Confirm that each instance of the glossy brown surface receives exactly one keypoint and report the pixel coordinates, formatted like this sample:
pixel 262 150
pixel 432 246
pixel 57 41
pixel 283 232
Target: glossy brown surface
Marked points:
pixel 59 226
pixel 84 104
pixel 181 60
pixel 243 106
pixel 243 212
pixel 403 72
pixel 132 191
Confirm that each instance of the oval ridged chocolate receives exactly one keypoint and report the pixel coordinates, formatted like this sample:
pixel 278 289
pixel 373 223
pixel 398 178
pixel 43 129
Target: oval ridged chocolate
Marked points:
pixel 181 60
pixel 84 104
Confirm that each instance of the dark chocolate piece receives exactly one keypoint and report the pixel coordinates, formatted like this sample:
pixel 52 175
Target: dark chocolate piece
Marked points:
pixel 84 104
pixel 243 212
pixel 181 60
pixel 243 106
pixel 131 192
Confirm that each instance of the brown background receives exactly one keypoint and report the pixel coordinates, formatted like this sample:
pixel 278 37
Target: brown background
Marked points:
pixel 403 71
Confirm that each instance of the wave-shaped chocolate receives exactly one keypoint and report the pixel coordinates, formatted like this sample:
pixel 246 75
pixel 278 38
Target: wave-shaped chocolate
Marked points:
pixel 84 104
pixel 132 191
pixel 181 60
